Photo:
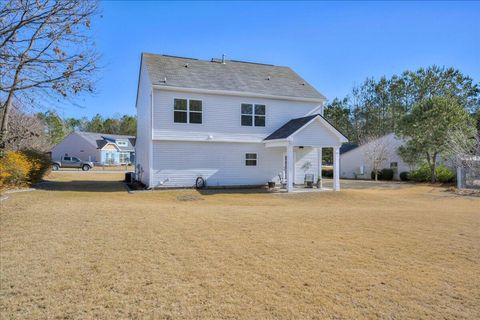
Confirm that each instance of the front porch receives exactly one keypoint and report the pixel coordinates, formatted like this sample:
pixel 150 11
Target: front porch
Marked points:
pixel 303 189
pixel 313 134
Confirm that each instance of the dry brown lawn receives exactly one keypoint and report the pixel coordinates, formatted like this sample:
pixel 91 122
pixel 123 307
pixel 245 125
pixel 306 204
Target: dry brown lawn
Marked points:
pixel 87 249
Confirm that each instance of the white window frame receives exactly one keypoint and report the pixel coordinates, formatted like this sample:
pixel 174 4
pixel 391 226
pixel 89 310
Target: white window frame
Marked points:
pixel 253 114
pixel 246 159
pixel 122 143
pixel 187 111
pixel 125 155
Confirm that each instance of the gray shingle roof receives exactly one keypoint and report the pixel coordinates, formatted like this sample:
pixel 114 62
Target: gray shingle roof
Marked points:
pixel 101 139
pixel 232 76
pixel 348 147
pixel 294 125
pixel 290 127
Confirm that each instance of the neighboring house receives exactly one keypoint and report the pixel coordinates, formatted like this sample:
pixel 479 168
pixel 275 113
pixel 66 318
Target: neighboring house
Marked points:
pixel 232 123
pixel 100 148
pixel 354 165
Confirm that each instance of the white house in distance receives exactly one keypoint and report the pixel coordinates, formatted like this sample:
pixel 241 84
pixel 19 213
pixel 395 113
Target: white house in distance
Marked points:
pixel 354 165
pixel 231 123
pixel 100 148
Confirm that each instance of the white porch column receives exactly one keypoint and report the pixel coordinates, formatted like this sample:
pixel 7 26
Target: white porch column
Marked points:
pixel 319 166
pixel 336 169
pixel 290 165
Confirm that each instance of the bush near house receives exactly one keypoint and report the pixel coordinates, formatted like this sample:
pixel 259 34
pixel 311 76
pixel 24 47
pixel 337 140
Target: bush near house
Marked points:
pixel 20 168
pixel 385 174
pixel 41 164
pixel 424 174
pixel 444 174
pixel 404 176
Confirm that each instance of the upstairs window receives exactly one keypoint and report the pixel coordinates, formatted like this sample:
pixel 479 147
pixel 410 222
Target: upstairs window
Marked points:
pixel 187 111
pixel 180 113
pixel 253 115
pixel 250 159
pixel 122 143
pixel 195 111
pixel 259 115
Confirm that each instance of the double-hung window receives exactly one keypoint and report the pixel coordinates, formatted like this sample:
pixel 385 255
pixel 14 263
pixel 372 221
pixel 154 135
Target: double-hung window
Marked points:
pixel 250 159
pixel 187 111
pixel 253 115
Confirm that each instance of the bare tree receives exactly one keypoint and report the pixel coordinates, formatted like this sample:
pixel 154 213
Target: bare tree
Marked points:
pixel 464 150
pixel 26 132
pixel 376 152
pixel 45 50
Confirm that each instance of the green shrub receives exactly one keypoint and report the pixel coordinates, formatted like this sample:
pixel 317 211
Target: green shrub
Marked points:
pixel 424 174
pixel 404 176
pixel 387 174
pixel 444 174
pixel 384 174
pixel 327 173
pixel 379 175
pixel 40 164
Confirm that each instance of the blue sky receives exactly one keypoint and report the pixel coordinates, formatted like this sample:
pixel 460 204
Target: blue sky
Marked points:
pixel 333 45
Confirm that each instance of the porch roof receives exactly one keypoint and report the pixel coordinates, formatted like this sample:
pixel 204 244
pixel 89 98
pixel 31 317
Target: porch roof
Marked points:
pixel 295 125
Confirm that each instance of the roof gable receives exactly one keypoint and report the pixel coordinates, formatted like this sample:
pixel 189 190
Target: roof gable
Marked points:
pixel 236 76
pixel 290 128
pixel 99 140
pixel 294 126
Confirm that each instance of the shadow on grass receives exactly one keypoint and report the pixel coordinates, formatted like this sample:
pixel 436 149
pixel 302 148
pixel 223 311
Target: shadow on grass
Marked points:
pixel 82 186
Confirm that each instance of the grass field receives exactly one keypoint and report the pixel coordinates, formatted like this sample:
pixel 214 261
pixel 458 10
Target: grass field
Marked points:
pixel 84 248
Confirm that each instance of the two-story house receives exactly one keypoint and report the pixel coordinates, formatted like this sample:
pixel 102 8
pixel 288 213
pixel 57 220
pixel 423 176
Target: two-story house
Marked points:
pixel 100 148
pixel 229 123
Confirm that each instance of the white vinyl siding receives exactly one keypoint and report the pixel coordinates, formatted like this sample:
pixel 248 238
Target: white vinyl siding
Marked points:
pixel 178 164
pixel 305 163
pixel 221 115
pixel 353 162
pixel 309 136
pixel 144 129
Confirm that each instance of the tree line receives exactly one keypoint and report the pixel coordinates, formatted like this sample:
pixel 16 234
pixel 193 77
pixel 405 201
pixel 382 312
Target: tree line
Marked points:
pixel 426 108
pixel 376 107
pixel 42 130
pixel 57 128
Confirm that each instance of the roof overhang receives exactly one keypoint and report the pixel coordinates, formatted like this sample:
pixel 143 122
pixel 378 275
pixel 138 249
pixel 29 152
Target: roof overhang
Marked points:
pixel 236 93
